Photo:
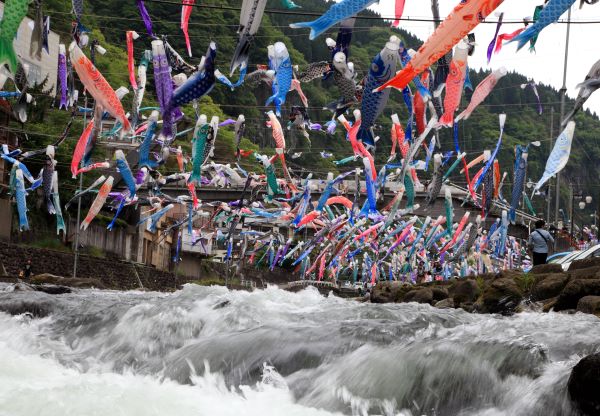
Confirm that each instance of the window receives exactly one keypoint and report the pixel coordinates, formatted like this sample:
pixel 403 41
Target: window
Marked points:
pixel 34 76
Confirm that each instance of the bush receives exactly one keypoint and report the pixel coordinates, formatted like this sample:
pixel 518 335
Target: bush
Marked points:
pixel 525 282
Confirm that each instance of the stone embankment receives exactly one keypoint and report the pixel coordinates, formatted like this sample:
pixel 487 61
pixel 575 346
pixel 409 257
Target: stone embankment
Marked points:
pixel 546 286
pixel 105 273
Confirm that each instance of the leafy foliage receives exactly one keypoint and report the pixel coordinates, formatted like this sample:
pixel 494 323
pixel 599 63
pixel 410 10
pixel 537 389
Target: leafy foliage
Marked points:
pixel 110 19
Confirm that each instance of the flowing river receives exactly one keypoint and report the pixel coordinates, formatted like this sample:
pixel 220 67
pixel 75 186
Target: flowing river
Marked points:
pixel 210 351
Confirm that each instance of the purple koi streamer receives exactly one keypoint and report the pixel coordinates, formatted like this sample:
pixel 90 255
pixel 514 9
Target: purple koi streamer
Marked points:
pixel 493 42
pixel 145 17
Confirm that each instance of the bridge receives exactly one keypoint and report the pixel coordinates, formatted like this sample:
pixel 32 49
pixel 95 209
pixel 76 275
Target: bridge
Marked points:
pixel 322 287
pixel 234 193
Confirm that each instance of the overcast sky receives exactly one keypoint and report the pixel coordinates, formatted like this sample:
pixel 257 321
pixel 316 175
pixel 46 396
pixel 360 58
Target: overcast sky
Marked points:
pixel 545 66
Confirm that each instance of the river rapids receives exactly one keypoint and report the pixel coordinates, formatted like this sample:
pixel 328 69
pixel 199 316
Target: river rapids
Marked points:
pixel 210 351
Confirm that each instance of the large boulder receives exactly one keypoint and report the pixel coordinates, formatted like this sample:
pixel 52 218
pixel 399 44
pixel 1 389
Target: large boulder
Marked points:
pixel 445 304
pixel 53 289
pixel 464 291
pixel 389 292
pixel 575 290
pixel 585 273
pixel 424 295
pixel 510 274
pixel 584 385
pixel 546 268
pixel 589 304
pixel 549 287
pixel 585 263
pixel 502 296
pixel 78 282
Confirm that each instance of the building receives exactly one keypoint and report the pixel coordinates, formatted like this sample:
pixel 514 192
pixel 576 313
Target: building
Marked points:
pixel 38 69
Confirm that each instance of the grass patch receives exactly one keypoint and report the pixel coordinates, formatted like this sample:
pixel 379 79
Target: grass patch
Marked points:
pixel 525 282
pixel 50 244
pixel 480 283
pixel 95 251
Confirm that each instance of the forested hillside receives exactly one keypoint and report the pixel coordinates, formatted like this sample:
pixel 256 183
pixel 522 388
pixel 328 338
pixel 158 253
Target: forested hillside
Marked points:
pixel 218 21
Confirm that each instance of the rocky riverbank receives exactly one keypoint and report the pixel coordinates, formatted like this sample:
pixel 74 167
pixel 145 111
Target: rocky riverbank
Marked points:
pixel 545 287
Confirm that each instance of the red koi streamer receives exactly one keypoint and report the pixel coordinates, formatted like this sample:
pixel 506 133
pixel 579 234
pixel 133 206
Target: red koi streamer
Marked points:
pixel 398 11
pixel 186 12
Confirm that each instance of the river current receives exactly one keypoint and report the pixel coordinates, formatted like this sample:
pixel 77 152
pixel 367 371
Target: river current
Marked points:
pixel 210 351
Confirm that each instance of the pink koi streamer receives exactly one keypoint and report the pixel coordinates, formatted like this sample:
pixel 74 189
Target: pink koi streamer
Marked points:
pixel 341 200
pixel 131 36
pixel 186 12
pixel 94 166
pixel 482 91
pixel 296 87
pixel 457 233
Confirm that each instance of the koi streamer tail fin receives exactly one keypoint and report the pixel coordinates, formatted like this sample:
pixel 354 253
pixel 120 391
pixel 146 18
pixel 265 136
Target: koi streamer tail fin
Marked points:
pixel 317 27
pixel 524 37
pixel 50 205
pixel 241 54
pixel 447 119
pixel 366 136
pixel 8 54
pixel 401 80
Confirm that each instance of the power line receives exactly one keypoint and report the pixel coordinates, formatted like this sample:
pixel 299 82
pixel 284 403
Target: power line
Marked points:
pixel 359 16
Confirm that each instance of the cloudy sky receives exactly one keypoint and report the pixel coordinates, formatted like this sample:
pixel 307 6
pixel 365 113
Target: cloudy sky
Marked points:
pixel 545 66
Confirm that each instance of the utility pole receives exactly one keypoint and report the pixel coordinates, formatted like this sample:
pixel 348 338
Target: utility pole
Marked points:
pixel 549 196
pixel 435 9
pixel 572 211
pixel 563 96
pixel 76 258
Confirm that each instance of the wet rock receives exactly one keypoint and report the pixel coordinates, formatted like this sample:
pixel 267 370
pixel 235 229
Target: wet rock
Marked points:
pixel 575 290
pixel 464 291
pixel 445 304
pixel 53 289
pixel 51 279
pixel 35 307
pixel 589 304
pixel 549 304
pixel 584 385
pixel 424 295
pixel 549 287
pixel 439 293
pixel 585 273
pixel 510 274
pixel 467 306
pixel 46 278
pixel 546 268
pixel 585 263
pixel 502 296
pixel 389 292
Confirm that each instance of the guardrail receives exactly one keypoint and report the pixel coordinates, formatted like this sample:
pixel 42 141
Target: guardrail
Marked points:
pixel 316 283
